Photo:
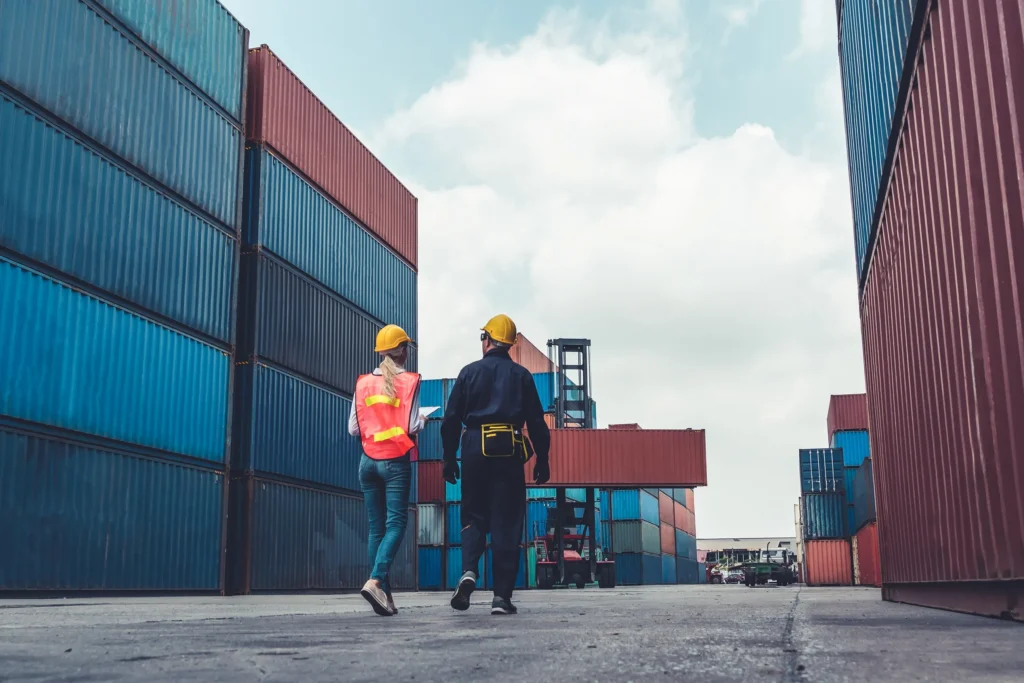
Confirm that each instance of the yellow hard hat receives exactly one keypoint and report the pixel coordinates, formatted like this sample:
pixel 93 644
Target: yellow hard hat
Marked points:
pixel 390 338
pixel 501 329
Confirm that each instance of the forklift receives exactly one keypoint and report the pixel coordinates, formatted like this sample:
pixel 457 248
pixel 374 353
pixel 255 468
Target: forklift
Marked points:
pixel 771 565
pixel 565 557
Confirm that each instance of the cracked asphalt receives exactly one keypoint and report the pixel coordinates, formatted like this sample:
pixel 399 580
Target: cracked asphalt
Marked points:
pixel 677 633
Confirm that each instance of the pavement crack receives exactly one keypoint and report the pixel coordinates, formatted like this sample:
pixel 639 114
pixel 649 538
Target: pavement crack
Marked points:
pixel 794 671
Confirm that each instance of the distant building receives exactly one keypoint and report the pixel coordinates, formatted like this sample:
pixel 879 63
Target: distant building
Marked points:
pixel 715 550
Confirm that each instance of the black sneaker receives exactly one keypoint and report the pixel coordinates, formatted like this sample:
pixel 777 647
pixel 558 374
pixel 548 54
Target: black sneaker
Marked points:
pixel 460 598
pixel 502 606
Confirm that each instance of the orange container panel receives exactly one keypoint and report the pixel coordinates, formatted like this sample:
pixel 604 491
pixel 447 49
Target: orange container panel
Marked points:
pixel 828 563
pixel 665 510
pixel 867 561
pixel 529 356
pixel 668 539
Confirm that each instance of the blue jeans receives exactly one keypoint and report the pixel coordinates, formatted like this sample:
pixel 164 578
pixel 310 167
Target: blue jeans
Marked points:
pixel 385 485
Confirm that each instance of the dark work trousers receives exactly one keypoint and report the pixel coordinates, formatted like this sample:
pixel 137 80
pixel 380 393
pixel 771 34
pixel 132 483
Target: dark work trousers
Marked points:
pixel 493 501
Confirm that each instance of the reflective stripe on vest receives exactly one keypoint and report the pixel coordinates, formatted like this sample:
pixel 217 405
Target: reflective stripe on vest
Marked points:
pixel 383 420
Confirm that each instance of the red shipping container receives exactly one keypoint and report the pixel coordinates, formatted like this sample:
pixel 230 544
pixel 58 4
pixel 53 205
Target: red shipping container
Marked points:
pixel 284 114
pixel 529 356
pixel 431 481
pixel 847 413
pixel 866 561
pixel 828 563
pixel 655 458
pixel 665 510
pixel 679 515
pixel 689 500
pixel 668 539
pixel 942 312
pixel 631 426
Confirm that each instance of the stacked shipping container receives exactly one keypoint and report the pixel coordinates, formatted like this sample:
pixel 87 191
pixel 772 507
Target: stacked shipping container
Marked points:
pixel 328 258
pixel 823 527
pixel 941 307
pixel 118 268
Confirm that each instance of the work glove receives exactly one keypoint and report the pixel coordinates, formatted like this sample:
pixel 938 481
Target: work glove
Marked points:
pixel 451 471
pixel 541 472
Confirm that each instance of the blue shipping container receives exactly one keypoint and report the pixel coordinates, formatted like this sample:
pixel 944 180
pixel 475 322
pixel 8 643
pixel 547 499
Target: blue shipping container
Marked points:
pixel 287 318
pixel 434 392
pixel 146 115
pixel 856 446
pixel 289 217
pixel 686 545
pixel 76 362
pixel 453 492
pixel 821 470
pixel 873 40
pixel 487 578
pixel 863 496
pixel 702 573
pixel 687 572
pixel 430 568
pixel 428 443
pixel 537 518
pixel 454 524
pixel 289 427
pixel 541 494
pixel 299 538
pixel 75 209
pixel 668 569
pixel 414 485
pixel 453 569
pixel 635 569
pixel 634 504
pixel 824 516
pixel 199 38
pixel 82 517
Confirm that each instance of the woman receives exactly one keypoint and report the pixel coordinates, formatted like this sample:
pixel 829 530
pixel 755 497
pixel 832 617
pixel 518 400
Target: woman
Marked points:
pixel 385 415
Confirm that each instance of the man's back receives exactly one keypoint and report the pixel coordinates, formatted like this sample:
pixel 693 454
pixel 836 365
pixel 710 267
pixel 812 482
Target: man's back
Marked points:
pixel 494 390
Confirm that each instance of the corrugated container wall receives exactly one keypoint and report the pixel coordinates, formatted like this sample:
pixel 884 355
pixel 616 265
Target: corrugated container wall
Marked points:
pixel 847 413
pixel 632 504
pixel 431 524
pixel 287 116
pixel 78 363
pixel 292 219
pixel 873 39
pixel 75 208
pixel 856 446
pixel 84 517
pixel 600 457
pixel 942 311
pixel 192 148
pixel 635 537
pixel 828 563
pixel 824 516
pixel 530 357
pixel 864 495
pixel 199 38
pixel 866 560
pixel 431 569
pixel 668 569
pixel 634 569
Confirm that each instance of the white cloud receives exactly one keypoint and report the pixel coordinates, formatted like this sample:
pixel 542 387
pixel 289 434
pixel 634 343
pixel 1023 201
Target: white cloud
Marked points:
pixel 569 188
pixel 818 28
pixel 740 12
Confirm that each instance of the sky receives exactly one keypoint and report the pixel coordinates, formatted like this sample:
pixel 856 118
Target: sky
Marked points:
pixel 667 178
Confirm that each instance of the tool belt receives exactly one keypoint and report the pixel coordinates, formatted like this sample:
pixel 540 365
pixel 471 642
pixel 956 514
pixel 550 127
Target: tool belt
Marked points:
pixel 504 441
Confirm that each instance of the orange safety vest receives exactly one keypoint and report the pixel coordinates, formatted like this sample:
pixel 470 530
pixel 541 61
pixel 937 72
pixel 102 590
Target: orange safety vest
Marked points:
pixel 383 421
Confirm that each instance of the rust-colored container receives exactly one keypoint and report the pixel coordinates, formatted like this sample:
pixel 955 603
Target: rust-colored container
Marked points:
pixel 659 458
pixel 665 511
pixel 668 539
pixel 284 114
pixel 942 313
pixel 679 515
pixel 866 561
pixel 828 563
pixel 430 488
pixel 847 413
pixel 529 356
pixel 689 500
pixel 632 426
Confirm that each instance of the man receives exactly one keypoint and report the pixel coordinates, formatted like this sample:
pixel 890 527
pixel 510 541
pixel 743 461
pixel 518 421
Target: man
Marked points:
pixel 493 397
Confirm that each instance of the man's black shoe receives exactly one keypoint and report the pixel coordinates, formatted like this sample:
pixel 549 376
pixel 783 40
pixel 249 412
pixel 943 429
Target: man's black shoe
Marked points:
pixel 460 598
pixel 503 606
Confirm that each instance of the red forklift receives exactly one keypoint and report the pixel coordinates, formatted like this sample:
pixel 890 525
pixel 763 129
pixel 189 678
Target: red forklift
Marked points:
pixel 566 557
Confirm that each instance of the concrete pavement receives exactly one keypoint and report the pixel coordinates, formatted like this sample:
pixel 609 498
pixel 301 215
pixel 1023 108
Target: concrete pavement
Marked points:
pixel 677 633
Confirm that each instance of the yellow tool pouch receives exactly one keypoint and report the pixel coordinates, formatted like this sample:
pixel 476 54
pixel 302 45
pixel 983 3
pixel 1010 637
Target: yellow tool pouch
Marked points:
pixel 504 441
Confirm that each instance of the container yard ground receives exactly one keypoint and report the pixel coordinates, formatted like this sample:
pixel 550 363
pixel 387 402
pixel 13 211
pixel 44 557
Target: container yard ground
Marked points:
pixel 705 633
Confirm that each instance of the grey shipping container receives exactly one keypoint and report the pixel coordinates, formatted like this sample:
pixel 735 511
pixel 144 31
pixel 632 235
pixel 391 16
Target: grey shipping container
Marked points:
pixel 75 208
pixel 431 523
pixel 84 516
pixel 147 115
pixel 636 537
pixel 298 323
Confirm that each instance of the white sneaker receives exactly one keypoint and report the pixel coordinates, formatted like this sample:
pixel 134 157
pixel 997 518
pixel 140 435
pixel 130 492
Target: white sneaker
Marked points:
pixel 375 595
pixel 391 605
